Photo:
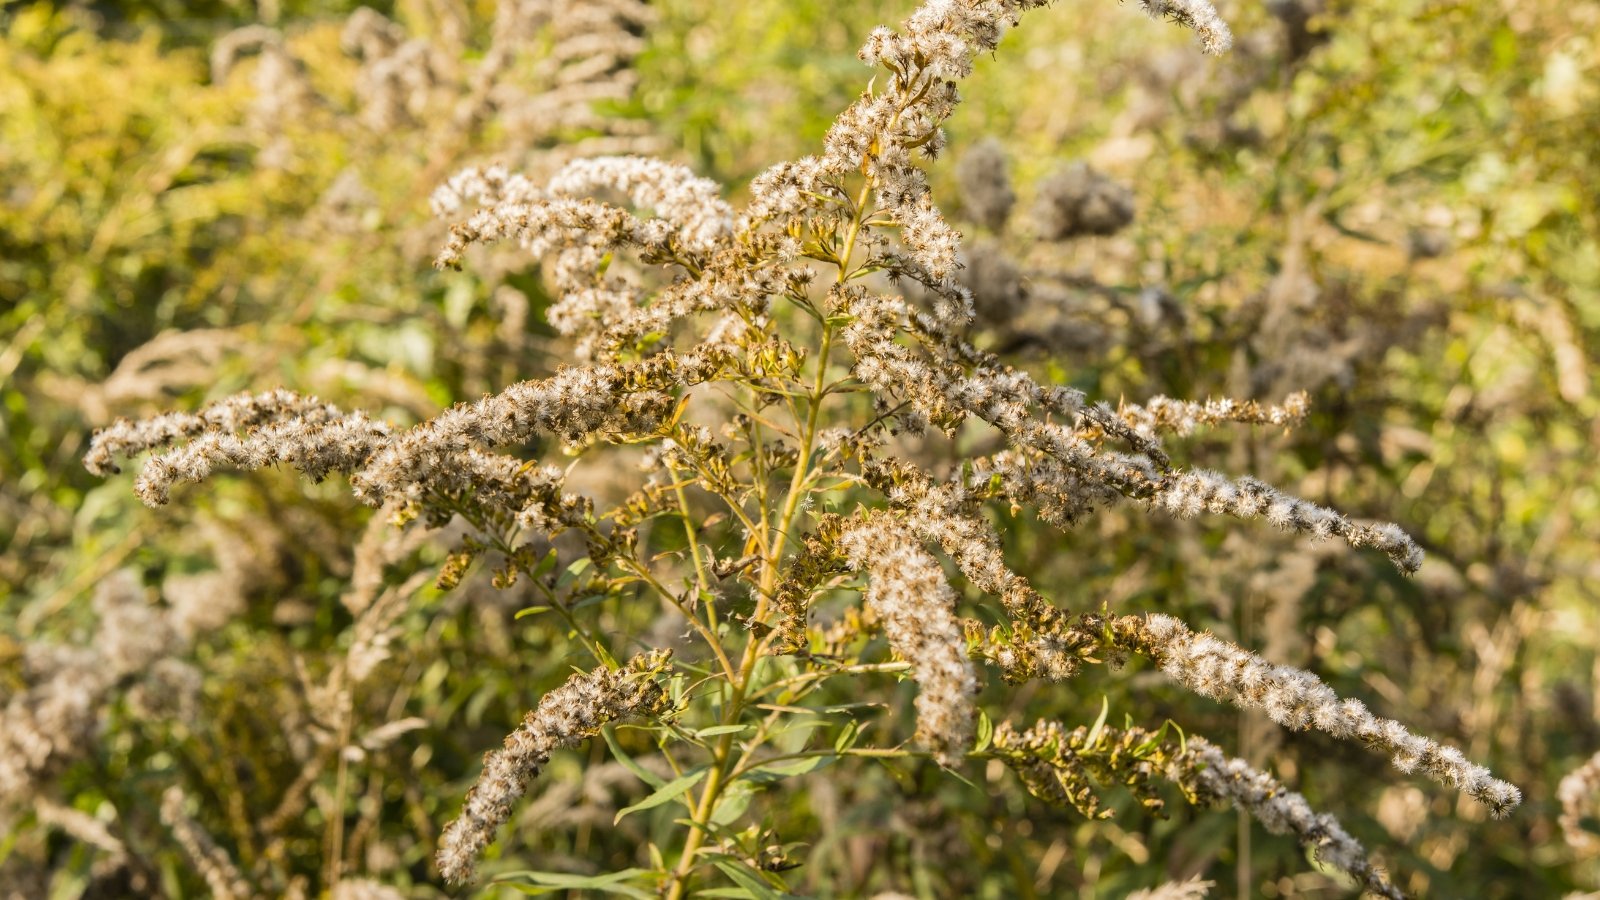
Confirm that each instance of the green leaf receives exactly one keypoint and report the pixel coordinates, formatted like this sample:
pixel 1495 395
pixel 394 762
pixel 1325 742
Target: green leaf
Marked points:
pixel 1099 723
pixel 849 707
pixel 732 804
pixel 715 730
pixel 628 762
pixel 985 732
pixel 672 790
pixel 1153 741
pixel 952 773
pixel 789 769
pixel 552 882
pixel 578 567
pixel 530 611
pixel 847 737
pixel 751 882
pixel 799 728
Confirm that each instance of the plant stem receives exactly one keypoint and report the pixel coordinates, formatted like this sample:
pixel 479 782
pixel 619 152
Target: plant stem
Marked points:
pixel 777 543
pixel 689 532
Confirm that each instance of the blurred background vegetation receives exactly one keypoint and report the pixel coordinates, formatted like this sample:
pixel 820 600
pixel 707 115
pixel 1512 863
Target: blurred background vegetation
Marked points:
pixel 1390 205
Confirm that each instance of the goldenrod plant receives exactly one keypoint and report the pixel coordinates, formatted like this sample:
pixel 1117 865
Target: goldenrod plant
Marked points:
pixel 762 363
pixel 809 537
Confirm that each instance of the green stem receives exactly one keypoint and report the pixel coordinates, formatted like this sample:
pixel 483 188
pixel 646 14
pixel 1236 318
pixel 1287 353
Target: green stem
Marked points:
pixel 694 541
pixel 776 544
pixel 701 813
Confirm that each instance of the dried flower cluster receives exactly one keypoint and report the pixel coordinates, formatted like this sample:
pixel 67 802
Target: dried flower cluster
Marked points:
pixel 1039 299
pixel 1297 699
pixel 1192 889
pixel 1061 766
pixel 907 590
pixel 986 193
pixel 567 715
pixel 1214 34
pixel 1077 201
pixel 1579 792
pixel 684 310
pixel 1182 417
pixel 1213 775
pixel 546 65
pixel 58 716
pixel 1192 493
pixel 214 865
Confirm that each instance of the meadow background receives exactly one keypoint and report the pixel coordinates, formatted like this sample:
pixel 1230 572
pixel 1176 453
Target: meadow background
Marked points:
pixel 1389 205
